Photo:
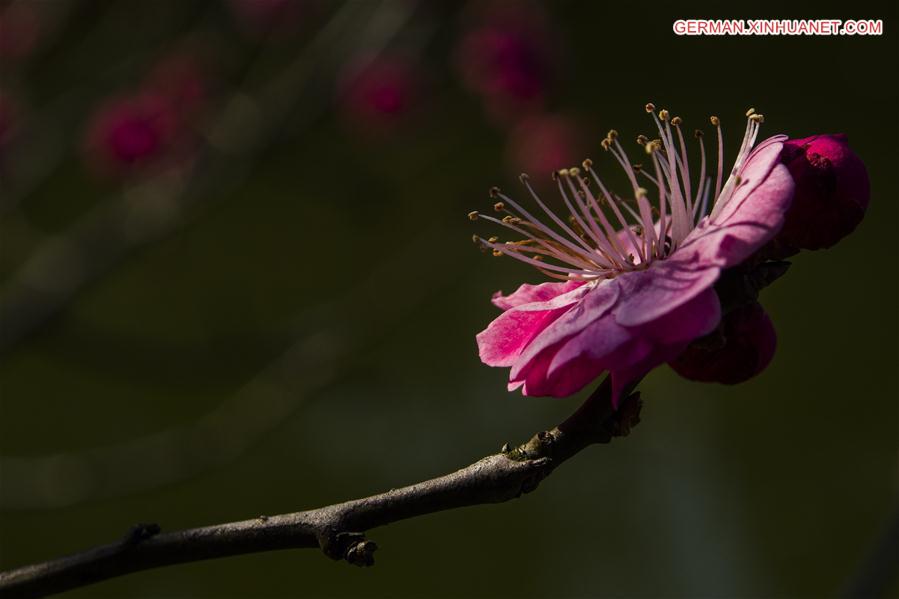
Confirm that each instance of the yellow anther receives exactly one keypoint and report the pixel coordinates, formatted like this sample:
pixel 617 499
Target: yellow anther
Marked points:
pixel 493 239
pixel 654 146
pixel 523 177
pixel 642 139
pixel 757 118
pixel 605 144
pixel 574 171
pixel 563 172
pixel 650 107
pixel 497 253
pixel 714 120
pixel 663 115
pixel 676 121
pixel 641 192
pixel 612 134
pixel 750 112
pixel 473 215
pixel 587 164
pixel 499 206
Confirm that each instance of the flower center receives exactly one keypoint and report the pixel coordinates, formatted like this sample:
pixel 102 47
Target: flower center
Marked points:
pixel 605 234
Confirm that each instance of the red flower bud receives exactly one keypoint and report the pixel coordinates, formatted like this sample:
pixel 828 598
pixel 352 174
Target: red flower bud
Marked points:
pixel 832 192
pixel 741 348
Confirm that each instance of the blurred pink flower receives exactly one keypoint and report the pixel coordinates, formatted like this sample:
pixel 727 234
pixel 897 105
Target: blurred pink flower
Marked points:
pixel 741 347
pixel 832 192
pixel 506 57
pixel 378 94
pixel 543 144
pixel 631 296
pixel 130 133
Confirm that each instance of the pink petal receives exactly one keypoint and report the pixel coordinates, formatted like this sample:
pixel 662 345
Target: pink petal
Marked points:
pixel 752 217
pixel 755 189
pixel 693 319
pixel 569 365
pixel 597 300
pixel 664 286
pixel 527 293
pixel 669 336
pixel 504 339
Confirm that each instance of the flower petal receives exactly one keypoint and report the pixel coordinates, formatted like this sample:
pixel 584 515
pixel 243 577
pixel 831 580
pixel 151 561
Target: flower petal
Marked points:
pixel 597 301
pixel 571 364
pixel 666 285
pixel 527 293
pixel 504 339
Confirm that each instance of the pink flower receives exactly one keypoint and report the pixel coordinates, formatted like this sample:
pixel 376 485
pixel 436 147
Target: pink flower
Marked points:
pixel 636 278
pixel 741 347
pixel 378 94
pixel 131 132
pixel 506 58
pixel 832 192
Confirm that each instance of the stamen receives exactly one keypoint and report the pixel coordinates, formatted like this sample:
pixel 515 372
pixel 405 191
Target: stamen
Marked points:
pixel 510 250
pixel 614 206
pixel 680 225
pixel 699 136
pixel 684 165
pixel 567 174
pixel 586 244
pixel 575 258
pixel 555 219
pixel 642 203
pixel 717 123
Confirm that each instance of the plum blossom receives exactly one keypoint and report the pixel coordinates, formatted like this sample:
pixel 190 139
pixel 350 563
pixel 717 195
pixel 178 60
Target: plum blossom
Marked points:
pixel 378 93
pixel 506 58
pixel 133 132
pixel 153 125
pixel 635 276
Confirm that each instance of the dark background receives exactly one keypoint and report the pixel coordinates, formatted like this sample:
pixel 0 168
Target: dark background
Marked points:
pixel 288 320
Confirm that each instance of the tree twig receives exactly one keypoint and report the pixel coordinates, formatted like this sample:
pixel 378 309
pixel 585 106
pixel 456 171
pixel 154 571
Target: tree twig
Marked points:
pixel 339 530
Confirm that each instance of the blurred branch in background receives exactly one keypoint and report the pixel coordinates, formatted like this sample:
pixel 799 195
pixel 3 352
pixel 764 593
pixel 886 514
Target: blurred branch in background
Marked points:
pixel 329 335
pixel 155 208
pixel 338 530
